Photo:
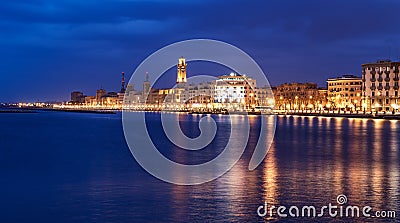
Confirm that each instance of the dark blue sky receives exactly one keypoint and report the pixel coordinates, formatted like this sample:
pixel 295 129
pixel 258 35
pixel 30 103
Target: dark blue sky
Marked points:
pixel 49 48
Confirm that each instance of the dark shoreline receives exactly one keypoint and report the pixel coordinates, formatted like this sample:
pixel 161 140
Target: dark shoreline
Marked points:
pixel 81 111
pixel 37 109
pixel 105 111
pixel 2 110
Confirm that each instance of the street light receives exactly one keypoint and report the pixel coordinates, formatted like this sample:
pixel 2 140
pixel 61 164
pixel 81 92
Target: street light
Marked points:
pixel 395 108
pixel 355 104
pixel 377 105
pixel 328 106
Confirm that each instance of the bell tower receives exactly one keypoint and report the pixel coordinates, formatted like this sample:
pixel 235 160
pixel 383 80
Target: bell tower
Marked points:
pixel 123 83
pixel 181 77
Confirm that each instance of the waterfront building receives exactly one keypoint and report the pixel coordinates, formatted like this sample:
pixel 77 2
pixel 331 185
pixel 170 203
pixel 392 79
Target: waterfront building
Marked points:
pixel 132 96
pixel 170 99
pixel 297 96
pixel 322 99
pixel 345 93
pixel 111 99
pixel 136 99
pixel 235 91
pixel 77 97
pixel 90 101
pixel 155 100
pixel 265 97
pixel 380 85
pixel 99 94
pixel 199 95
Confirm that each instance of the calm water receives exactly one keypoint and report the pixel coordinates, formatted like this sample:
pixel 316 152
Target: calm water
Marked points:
pixel 67 167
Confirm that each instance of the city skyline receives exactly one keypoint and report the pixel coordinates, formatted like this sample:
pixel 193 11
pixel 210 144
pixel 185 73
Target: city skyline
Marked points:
pixel 199 111
pixel 50 48
pixel 239 92
pixel 167 80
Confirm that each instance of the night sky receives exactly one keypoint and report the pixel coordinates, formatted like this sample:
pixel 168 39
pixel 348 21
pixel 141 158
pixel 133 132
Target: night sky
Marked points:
pixel 50 48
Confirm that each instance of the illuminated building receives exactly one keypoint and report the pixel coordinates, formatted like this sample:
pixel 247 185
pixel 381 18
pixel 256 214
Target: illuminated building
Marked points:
pixel 197 93
pixel 322 99
pixel 297 96
pixel 173 98
pixel 265 97
pixel 99 94
pixel 344 93
pixel 380 85
pixel 90 101
pixel 111 99
pixel 235 91
pixel 181 77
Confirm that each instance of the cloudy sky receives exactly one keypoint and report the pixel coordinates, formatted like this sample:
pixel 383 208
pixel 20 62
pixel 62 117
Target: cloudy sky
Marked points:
pixel 49 48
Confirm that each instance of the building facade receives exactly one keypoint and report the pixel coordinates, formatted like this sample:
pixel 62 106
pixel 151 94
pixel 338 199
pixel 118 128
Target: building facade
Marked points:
pixel 265 97
pixel 235 91
pixel 181 74
pixel 380 85
pixel 297 96
pixel 77 97
pixel 345 93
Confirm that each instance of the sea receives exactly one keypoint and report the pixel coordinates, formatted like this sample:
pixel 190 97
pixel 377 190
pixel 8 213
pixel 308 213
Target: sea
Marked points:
pixel 77 167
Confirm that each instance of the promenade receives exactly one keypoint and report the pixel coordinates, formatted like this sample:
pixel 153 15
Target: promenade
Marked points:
pixel 368 115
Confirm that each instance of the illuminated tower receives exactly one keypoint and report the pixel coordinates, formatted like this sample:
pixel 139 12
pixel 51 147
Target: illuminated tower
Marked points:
pixel 181 77
pixel 123 83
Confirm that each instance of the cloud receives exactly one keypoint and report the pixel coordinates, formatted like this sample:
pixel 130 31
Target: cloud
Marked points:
pixel 80 39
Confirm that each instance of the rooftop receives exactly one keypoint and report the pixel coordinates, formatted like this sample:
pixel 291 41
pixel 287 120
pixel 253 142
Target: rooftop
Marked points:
pixel 382 62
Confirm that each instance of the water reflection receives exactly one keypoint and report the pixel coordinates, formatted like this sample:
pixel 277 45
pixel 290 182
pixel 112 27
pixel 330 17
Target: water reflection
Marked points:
pixel 315 159
pixel 312 160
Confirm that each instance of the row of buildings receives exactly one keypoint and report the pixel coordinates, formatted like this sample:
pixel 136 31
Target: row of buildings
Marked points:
pixel 342 93
pixel 226 92
pixel 376 90
pixel 112 100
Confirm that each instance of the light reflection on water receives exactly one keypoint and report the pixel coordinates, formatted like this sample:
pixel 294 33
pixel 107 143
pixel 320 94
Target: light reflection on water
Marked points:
pixel 326 157
pixel 76 167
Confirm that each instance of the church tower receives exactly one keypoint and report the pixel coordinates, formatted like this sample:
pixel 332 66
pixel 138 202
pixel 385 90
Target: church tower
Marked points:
pixel 181 77
pixel 146 88
pixel 123 83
